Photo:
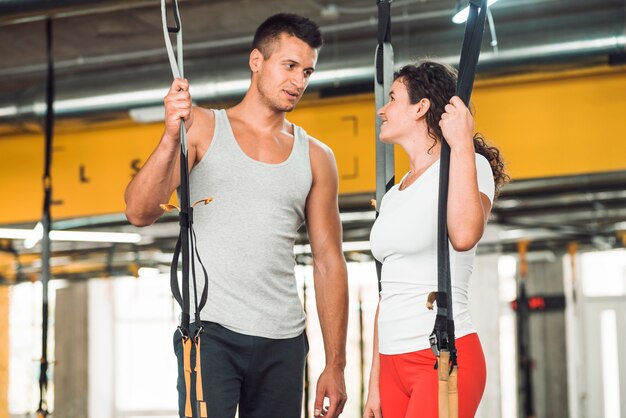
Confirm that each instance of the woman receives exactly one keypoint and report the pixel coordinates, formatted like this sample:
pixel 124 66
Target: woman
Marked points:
pixel 422 112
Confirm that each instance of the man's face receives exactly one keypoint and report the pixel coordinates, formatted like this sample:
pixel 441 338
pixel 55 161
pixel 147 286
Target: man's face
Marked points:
pixel 282 77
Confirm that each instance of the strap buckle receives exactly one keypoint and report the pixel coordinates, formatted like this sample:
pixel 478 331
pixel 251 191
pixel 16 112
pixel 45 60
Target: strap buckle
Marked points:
pixel 434 344
pixel 199 331
pixel 438 342
pixel 184 333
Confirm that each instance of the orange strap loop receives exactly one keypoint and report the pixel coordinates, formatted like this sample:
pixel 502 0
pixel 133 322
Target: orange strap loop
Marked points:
pixel 187 372
pixel 202 409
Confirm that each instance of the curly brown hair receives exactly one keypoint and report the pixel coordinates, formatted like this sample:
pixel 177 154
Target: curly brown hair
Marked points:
pixel 437 82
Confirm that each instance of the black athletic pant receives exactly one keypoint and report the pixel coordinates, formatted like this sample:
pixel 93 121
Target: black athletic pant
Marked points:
pixel 263 376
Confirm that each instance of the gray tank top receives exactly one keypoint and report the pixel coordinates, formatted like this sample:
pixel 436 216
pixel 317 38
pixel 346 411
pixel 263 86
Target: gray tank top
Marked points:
pixel 245 237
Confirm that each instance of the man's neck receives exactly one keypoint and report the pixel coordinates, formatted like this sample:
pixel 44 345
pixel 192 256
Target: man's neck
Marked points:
pixel 255 112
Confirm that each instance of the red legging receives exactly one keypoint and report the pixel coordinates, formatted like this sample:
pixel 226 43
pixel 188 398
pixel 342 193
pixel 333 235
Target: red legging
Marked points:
pixel 409 386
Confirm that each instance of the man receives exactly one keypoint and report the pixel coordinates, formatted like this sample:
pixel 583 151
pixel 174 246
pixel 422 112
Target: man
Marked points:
pixel 266 177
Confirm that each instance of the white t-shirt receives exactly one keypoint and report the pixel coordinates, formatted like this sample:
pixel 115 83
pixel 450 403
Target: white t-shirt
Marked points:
pixel 404 239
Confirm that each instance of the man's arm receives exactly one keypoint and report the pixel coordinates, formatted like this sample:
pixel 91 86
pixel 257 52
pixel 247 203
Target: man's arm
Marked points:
pixel 330 276
pixel 160 175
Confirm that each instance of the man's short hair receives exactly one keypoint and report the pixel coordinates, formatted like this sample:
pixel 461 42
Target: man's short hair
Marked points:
pixel 291 24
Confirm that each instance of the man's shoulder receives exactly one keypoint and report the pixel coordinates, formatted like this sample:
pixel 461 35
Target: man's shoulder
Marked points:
pixel 203 122
pixel 201 133
pixel 323 163
pixel 318 148
pixel 205 115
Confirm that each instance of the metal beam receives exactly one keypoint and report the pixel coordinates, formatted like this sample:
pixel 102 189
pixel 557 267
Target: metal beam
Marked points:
pixel 83 96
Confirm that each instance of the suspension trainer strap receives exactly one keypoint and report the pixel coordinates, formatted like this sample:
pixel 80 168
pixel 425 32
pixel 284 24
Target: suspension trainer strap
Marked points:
pixel 186 244
pixel 182 246
pixel 523 334
pixel 442 339
pixel 42 410
pixel 385 173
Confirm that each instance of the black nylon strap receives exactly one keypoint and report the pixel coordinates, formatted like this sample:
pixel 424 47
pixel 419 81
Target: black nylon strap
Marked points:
pixel 444 323
pixel 385 178
pixel 192 253
pixel 42 409
pixel 176 28
pixel 186 244
pixel 174 273
pixel 205 291
pixel 184 302
pixel 184 237
pixel 471 44
pixel 379 273
pixel 384 35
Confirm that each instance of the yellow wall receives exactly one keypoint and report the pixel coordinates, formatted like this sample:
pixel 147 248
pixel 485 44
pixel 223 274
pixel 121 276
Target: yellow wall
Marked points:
pixel 557 125
pixel 545 125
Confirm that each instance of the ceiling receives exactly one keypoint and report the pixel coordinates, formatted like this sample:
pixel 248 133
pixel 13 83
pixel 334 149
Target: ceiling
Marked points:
pixel 102 48
pixel 106 47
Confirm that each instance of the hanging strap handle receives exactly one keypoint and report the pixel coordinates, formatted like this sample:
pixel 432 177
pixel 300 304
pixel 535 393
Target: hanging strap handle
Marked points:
pixel 186 244
pixel 186 239
pixel 176 61
pixel 385 172
pixel 42 410
pixel 174 277
pixel 442 337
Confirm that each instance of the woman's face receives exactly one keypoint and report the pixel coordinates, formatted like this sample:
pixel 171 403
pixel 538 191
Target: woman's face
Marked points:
pixel 398 116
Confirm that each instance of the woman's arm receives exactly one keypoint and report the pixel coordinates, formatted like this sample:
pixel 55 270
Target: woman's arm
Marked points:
pixel 468 208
